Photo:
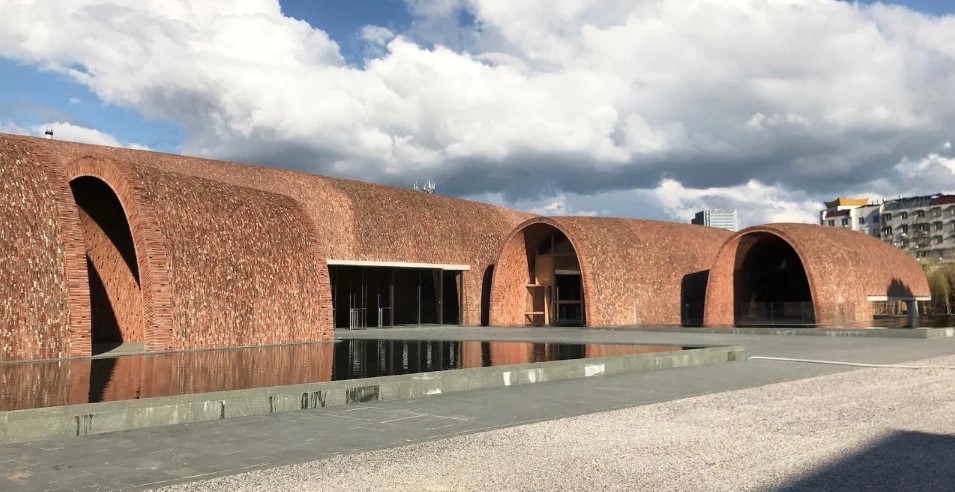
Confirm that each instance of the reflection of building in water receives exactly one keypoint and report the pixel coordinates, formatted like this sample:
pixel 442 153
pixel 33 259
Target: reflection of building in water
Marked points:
pixel 595 350
pixel 114 246
pixel 44 384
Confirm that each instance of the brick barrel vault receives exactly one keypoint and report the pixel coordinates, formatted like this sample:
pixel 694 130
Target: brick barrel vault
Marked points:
pixel 221 265
pixel 634 272
pixel 843 268
pixel 352 220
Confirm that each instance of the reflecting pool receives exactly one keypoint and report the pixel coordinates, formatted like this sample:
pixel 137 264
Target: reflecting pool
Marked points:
pixel 128 377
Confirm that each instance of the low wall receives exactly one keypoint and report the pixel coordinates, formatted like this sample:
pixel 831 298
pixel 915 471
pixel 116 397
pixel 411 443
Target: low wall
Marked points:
pixel 97 418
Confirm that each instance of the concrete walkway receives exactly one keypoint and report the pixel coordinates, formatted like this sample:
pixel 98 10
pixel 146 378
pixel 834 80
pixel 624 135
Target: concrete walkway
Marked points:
pixel 190 452
pixel 885 429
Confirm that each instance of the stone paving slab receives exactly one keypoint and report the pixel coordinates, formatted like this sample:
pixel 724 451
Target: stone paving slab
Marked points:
pixel 191 452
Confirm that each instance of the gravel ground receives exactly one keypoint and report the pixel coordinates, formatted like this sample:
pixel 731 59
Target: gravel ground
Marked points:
pixel 871 429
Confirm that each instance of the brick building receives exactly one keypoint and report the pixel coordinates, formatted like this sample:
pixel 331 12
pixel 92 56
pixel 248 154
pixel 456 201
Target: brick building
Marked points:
pixel 101 246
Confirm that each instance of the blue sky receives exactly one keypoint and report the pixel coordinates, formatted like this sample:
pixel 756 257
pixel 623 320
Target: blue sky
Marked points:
pixel 553 111
pixel 30 96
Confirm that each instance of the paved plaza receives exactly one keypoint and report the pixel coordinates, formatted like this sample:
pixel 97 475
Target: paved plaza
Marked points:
pixel 680 428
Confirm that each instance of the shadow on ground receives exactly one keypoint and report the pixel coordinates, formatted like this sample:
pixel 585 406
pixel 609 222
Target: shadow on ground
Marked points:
pixel 901 461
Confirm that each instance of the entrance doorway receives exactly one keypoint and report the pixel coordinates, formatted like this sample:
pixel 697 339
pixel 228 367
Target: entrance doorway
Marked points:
pixel 116 304
pixel 770 286
pixel 376 296
pixel 555 289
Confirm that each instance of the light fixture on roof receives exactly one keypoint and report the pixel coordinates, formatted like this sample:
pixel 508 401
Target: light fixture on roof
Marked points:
pixel 49 133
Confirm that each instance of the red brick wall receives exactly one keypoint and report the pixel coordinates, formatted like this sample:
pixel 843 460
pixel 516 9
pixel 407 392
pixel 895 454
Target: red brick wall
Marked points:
pixel 224 265
pixel 843 268
pixel 511 274
pixel 244 266
pixel 633 270
pixel 154 296
pixel 353 220
pixel 40 239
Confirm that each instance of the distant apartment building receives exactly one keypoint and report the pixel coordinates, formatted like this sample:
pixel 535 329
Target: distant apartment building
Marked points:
pixel 858 214
pixel 923 226
pixel 718 217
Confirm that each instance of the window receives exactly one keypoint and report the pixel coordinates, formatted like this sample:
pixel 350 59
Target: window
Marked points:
pixel 938 226
pixel 902 229
pixel 845 222
pixel 875 219
pixel 861 220
pixel 832 223
pixel 886 217
pixel 936 212
pixel 905 215
pixel 920 214
pixel 886 231
pixel 938 239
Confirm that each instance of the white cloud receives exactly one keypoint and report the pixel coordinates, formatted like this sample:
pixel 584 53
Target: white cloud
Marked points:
pixel 80 134
pixel 708 100
pixel 757 203
pixel 12 128
pixel 376 35
pixel 557 205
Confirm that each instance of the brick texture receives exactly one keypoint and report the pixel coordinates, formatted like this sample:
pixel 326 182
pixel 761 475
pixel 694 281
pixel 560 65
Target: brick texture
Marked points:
pixel 634 272
pixel 40 239
pixel 231 254
pixel 843 268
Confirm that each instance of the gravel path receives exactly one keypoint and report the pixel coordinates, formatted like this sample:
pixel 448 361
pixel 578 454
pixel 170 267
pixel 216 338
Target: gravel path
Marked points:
pixel 871 429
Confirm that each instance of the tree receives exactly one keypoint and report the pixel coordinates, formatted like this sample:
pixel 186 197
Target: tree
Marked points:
pixel 941 283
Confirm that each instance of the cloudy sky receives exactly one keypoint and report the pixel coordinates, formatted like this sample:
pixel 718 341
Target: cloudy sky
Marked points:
pixel 640 108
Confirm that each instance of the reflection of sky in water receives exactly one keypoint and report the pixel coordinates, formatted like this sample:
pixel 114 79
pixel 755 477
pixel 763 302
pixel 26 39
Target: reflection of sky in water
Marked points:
pixel 54 383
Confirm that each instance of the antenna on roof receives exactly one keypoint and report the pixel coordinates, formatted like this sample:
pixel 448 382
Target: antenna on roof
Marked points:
pixel 49 133
pixel 428 187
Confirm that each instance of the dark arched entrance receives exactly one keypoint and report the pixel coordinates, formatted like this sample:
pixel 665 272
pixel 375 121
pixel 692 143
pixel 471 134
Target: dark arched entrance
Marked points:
pixel 770 286
pixel 116 303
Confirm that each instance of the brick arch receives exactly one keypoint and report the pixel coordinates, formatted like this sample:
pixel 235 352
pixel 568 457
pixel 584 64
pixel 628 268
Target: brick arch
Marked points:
pixel 149 246
pixel 846 270
pixel 720 305
pixel 508 291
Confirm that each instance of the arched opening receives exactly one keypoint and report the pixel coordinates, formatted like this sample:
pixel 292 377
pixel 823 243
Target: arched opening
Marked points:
pixel 770 286
pixel 553 282
pixel 116 303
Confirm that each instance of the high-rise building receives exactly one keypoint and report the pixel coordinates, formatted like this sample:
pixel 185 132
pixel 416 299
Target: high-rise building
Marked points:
pixel 717 217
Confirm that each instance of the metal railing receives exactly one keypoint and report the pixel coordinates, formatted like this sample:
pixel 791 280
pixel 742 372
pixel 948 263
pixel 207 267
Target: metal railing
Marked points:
pixel 381 316
pixel 357 318
pixel 775 314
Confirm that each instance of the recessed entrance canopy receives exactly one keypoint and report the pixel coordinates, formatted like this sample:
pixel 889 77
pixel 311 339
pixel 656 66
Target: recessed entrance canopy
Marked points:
pixel 382 294
pixel 400 264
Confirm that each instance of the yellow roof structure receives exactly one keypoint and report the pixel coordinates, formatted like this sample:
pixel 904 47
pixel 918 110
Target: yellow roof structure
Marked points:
pixel 847 202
